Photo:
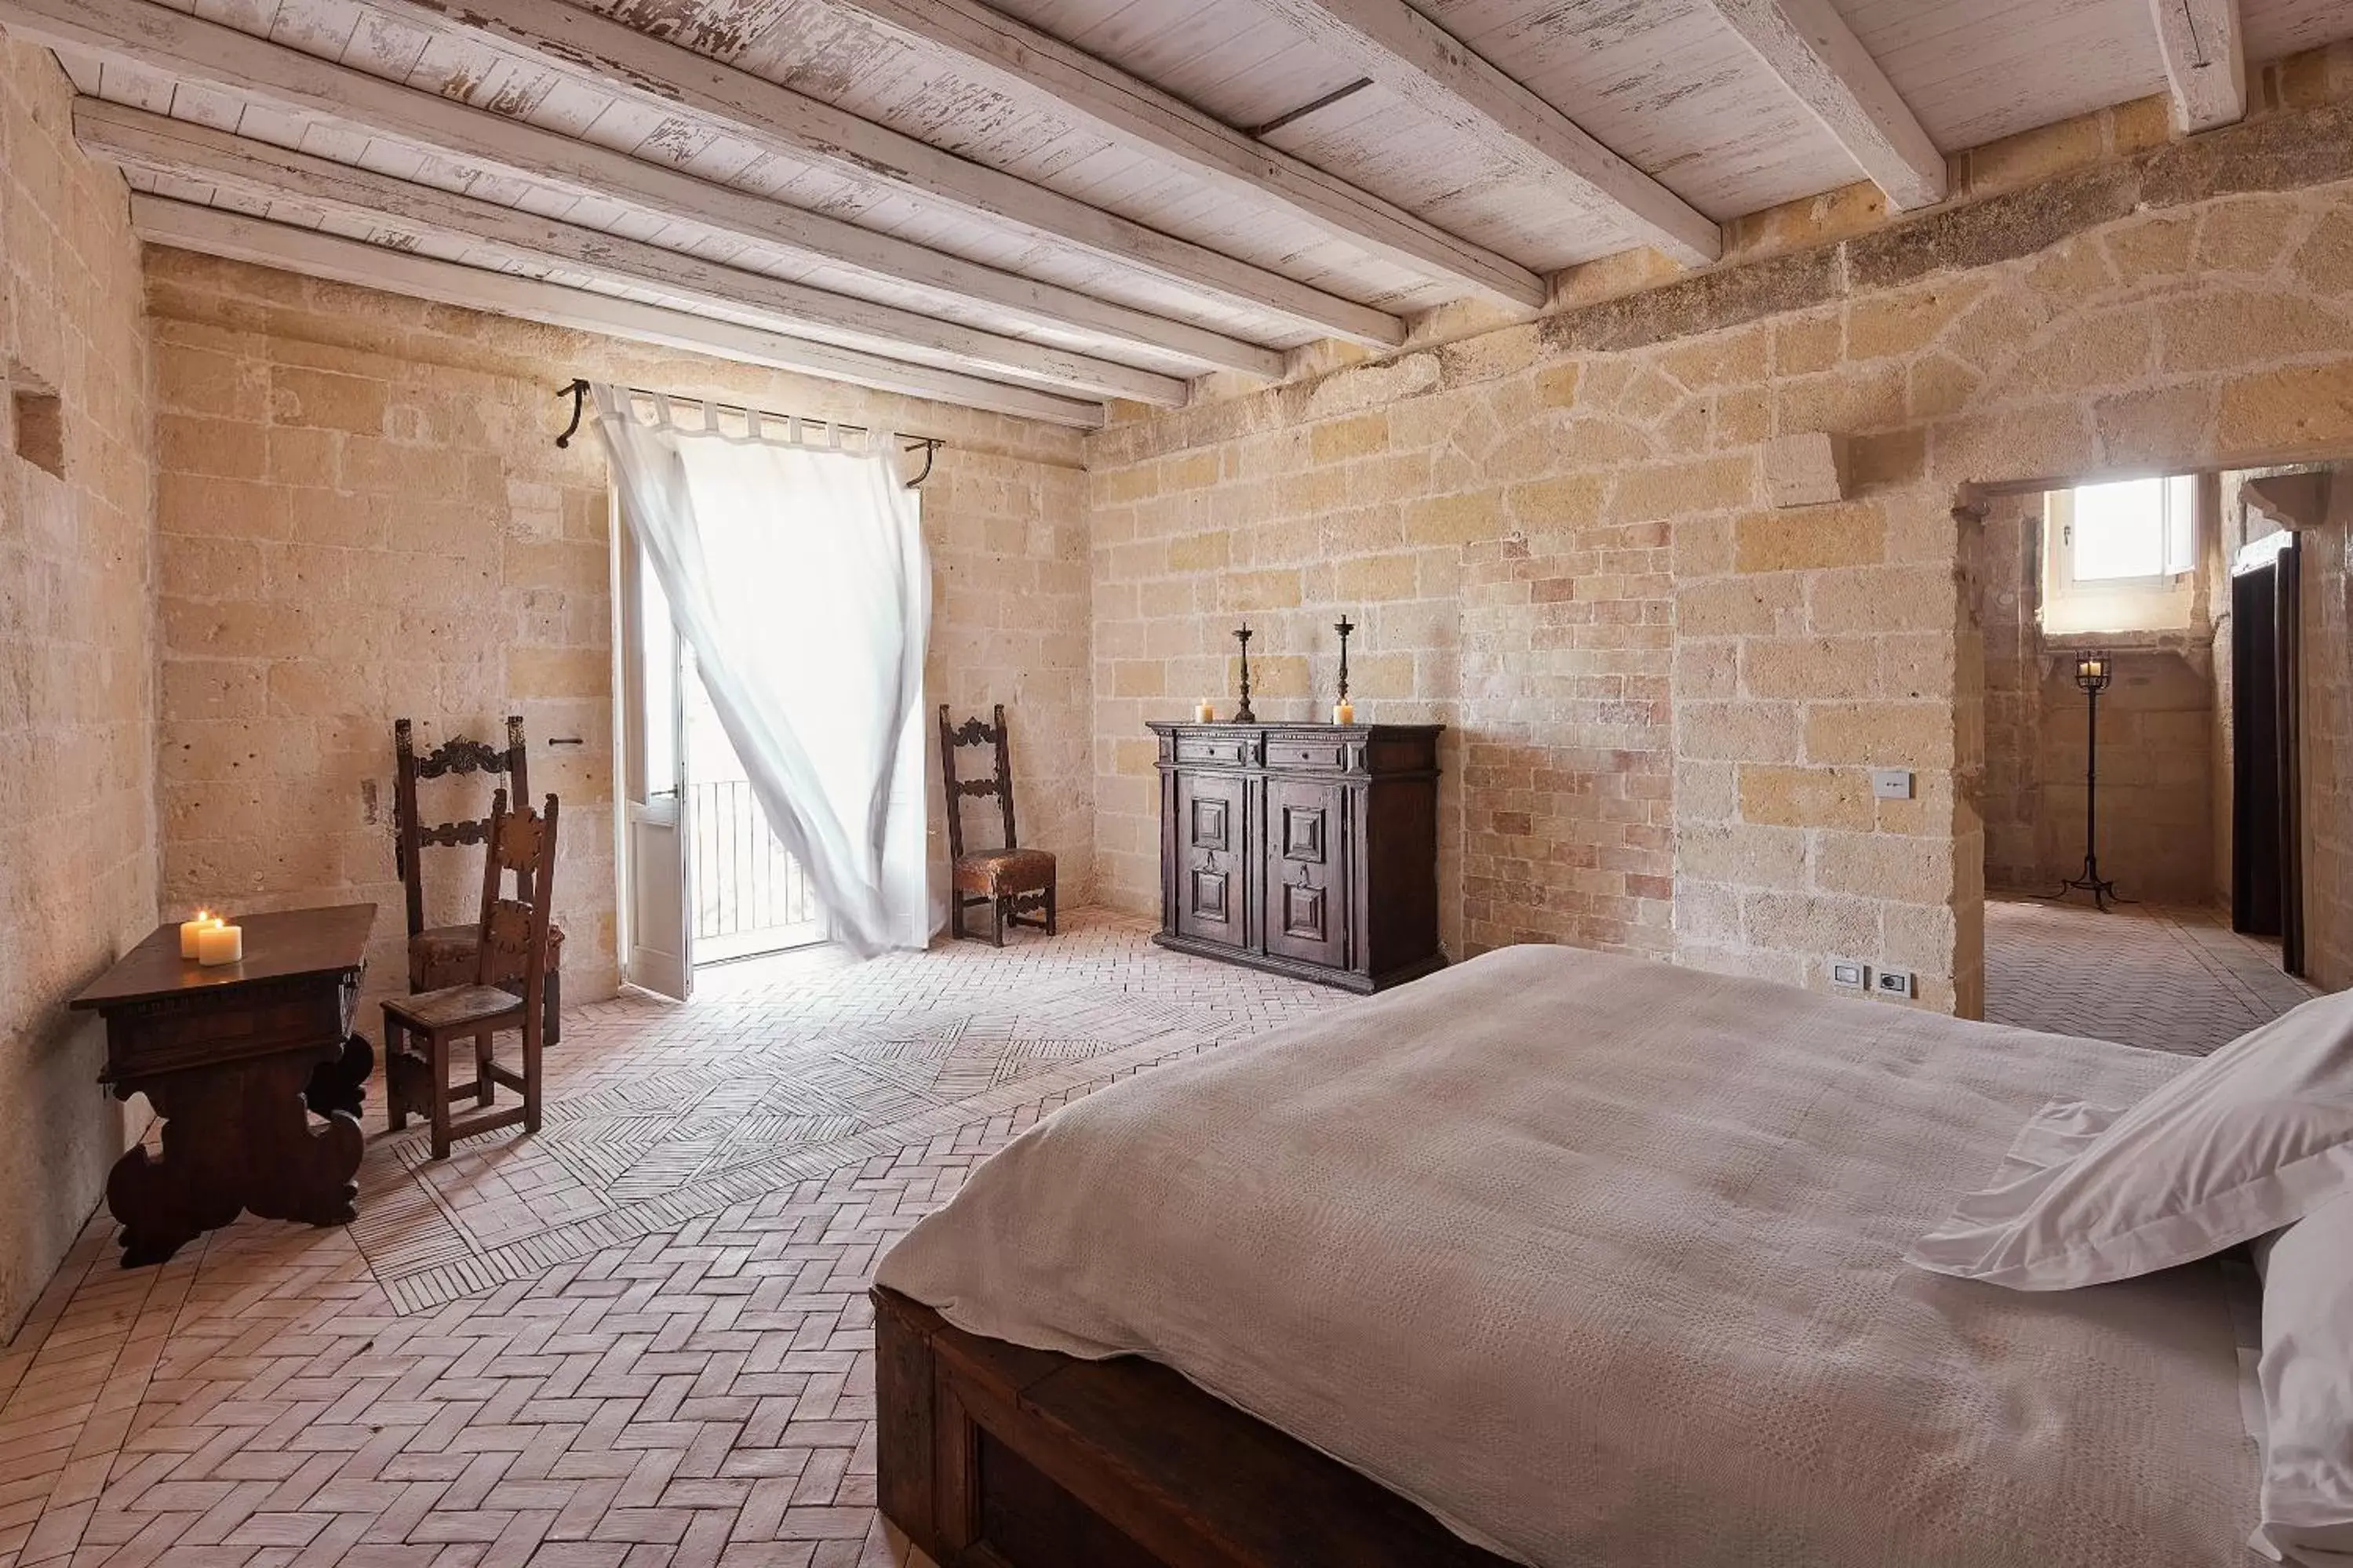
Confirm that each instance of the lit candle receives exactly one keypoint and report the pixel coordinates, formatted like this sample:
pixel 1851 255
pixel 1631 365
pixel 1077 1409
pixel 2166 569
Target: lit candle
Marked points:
pixel 1344 713
pixel 1203 713
pixel 220 942
pixel 204 921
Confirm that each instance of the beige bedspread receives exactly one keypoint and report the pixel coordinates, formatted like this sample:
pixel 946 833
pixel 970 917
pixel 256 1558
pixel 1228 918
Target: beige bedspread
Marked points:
pixel 1598 1260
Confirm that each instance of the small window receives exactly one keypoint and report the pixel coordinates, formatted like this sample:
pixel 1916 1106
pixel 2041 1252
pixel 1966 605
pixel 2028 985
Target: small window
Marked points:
pixel 2121 556
pixel 2134 532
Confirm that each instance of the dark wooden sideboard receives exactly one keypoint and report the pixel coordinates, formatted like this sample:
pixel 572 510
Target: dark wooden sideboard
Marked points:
pixel 1309 849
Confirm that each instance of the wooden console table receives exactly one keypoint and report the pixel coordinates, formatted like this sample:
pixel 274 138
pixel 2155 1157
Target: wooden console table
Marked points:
pixel 235 1059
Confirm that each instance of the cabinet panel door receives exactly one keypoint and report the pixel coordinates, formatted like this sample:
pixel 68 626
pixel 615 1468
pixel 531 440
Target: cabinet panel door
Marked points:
pixel 1306 871
pixel 1209 844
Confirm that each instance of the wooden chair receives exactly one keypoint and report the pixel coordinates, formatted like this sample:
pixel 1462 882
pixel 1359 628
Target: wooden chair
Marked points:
pixel 444 955
pixel 1008 880
pixel 507 992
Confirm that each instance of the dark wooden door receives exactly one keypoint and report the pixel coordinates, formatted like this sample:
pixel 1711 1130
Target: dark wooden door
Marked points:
pixel 2266 881
pixel 1306 871
pixel 1210 843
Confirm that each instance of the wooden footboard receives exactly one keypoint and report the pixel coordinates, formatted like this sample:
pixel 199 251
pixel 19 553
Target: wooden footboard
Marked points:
pixel 991 1454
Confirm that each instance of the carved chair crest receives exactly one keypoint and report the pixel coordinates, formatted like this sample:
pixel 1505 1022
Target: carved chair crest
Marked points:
pixel 975 733
pixel 456 756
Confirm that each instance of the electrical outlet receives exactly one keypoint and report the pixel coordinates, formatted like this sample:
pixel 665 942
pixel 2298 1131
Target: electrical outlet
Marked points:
pixel 1847 974
pixel 1891 784
pixel 1893 982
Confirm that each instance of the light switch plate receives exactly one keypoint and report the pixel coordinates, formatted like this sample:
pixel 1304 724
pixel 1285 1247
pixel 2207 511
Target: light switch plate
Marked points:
pixel 1893 982
pixel 1847 974
pixel 1891 784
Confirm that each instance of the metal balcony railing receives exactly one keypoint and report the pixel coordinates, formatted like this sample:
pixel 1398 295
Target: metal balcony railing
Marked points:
pixel 750 897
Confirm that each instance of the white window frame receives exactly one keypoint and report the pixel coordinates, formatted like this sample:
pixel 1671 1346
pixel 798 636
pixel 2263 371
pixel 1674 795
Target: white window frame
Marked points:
pixel 2162 602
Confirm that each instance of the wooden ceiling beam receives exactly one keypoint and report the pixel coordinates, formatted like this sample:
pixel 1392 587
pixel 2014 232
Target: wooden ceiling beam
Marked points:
pixel 1407 53
pixel 612 57
pixel 1809 46
pixel 157 38
pixel 2205 47
pixel 208 230
pixel 134 139
pixel 1033 66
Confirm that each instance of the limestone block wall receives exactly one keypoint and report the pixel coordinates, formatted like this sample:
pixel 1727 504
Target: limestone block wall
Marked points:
pixel 77 659
pixel 2156 809
pixel 363 516
pixel 2004 575
pixel 1665 696
pixel 2326 624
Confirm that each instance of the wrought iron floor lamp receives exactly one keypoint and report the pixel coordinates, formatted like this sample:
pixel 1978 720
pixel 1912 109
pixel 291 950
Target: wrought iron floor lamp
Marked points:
pixel 2094 670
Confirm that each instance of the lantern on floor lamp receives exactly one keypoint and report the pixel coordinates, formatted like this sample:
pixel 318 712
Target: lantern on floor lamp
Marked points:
pixel 2094 670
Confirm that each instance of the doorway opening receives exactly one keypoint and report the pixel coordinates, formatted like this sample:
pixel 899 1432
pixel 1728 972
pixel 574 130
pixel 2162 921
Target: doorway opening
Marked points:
pixel 2171 607
pixel 751 897
pixel 702 879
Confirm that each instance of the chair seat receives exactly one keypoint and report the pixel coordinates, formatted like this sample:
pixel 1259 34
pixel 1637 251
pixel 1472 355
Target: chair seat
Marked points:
pixel 445 955
pixel 997 872
pixel 455 1006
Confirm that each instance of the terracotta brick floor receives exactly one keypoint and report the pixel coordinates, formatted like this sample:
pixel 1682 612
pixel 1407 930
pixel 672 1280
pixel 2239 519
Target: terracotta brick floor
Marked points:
pixel 2170 978
pixel 639 1338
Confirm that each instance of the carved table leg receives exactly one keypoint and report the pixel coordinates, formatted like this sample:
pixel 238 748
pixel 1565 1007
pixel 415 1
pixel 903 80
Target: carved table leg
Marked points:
pixel 339 1083
pixel 235 1136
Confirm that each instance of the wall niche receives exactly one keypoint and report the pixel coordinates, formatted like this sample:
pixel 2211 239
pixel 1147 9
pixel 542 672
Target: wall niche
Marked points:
pixel 37 416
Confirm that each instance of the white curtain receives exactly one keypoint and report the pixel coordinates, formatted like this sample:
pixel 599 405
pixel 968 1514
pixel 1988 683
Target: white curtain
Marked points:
pixel 796 574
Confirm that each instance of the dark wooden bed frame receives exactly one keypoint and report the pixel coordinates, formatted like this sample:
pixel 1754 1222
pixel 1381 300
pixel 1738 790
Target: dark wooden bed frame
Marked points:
pixel 995 1455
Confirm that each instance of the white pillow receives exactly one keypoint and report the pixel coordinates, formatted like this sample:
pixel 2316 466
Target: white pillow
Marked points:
pixel 2251 1138
pixel 2306 1373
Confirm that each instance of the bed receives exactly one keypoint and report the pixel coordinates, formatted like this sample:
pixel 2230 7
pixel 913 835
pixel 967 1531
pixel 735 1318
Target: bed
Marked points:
pixel 1555 1258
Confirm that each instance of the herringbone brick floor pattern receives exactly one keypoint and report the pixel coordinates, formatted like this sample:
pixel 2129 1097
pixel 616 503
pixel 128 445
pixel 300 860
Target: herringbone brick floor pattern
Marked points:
pixel 641 1338
pixel 2166 978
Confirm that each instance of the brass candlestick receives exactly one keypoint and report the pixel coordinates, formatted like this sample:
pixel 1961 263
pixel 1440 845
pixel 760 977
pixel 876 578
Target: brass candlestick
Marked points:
pixel 1242 715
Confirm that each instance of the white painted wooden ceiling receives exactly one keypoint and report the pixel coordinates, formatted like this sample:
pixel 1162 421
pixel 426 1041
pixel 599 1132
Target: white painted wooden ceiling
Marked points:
pixel 1107 264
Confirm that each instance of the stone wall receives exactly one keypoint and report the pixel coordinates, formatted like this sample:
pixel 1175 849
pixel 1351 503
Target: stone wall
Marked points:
pixel 77 659
pixel 1665 696
pixel 363 516
pixel 2156 735
pixel 2327 623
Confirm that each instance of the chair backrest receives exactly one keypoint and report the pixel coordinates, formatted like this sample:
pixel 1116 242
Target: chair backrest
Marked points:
pixel 514 930
pixel 973 732
pixel 456 755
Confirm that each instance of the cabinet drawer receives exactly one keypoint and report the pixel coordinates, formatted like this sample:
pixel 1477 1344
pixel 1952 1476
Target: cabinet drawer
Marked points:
pixel 1232 749
pixel 1323 753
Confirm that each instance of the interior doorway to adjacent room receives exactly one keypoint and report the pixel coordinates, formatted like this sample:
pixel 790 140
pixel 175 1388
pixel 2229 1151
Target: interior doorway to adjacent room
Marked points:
pixel 2181 598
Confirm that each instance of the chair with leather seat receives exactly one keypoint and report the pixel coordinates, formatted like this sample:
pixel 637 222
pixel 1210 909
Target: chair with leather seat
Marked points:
pixel 506 993
pixel 444 955
pixel 1014 883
